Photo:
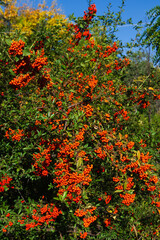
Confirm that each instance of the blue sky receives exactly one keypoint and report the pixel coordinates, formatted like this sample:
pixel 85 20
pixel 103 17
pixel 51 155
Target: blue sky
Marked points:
pixel 136 9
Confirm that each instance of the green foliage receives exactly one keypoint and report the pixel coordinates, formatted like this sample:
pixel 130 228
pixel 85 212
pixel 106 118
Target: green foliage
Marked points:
pixel 151 35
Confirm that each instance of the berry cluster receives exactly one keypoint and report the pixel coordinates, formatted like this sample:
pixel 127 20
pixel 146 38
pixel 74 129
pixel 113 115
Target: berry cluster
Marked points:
pixel 16 48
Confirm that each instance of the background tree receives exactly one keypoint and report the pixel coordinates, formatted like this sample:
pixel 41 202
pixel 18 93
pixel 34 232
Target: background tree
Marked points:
pixel 151 36
pixel 27 19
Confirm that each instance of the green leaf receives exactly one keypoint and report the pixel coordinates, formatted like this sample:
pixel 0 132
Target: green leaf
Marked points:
pixel 118 191
pixel 138 154
pixel 64 196
pixel 11 71
pixel 63 66
pixel 83 65
pixel 8 41
pixel 79 162
pixel 125 185
pixel 26 52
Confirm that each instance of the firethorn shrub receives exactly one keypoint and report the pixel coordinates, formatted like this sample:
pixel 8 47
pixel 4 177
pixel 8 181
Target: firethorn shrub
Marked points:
pixel 73 165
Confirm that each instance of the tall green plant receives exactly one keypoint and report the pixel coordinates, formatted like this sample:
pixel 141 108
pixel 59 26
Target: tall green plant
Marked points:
pixel 151 34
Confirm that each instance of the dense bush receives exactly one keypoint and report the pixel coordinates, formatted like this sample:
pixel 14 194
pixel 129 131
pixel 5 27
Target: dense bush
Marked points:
pixel 75 162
